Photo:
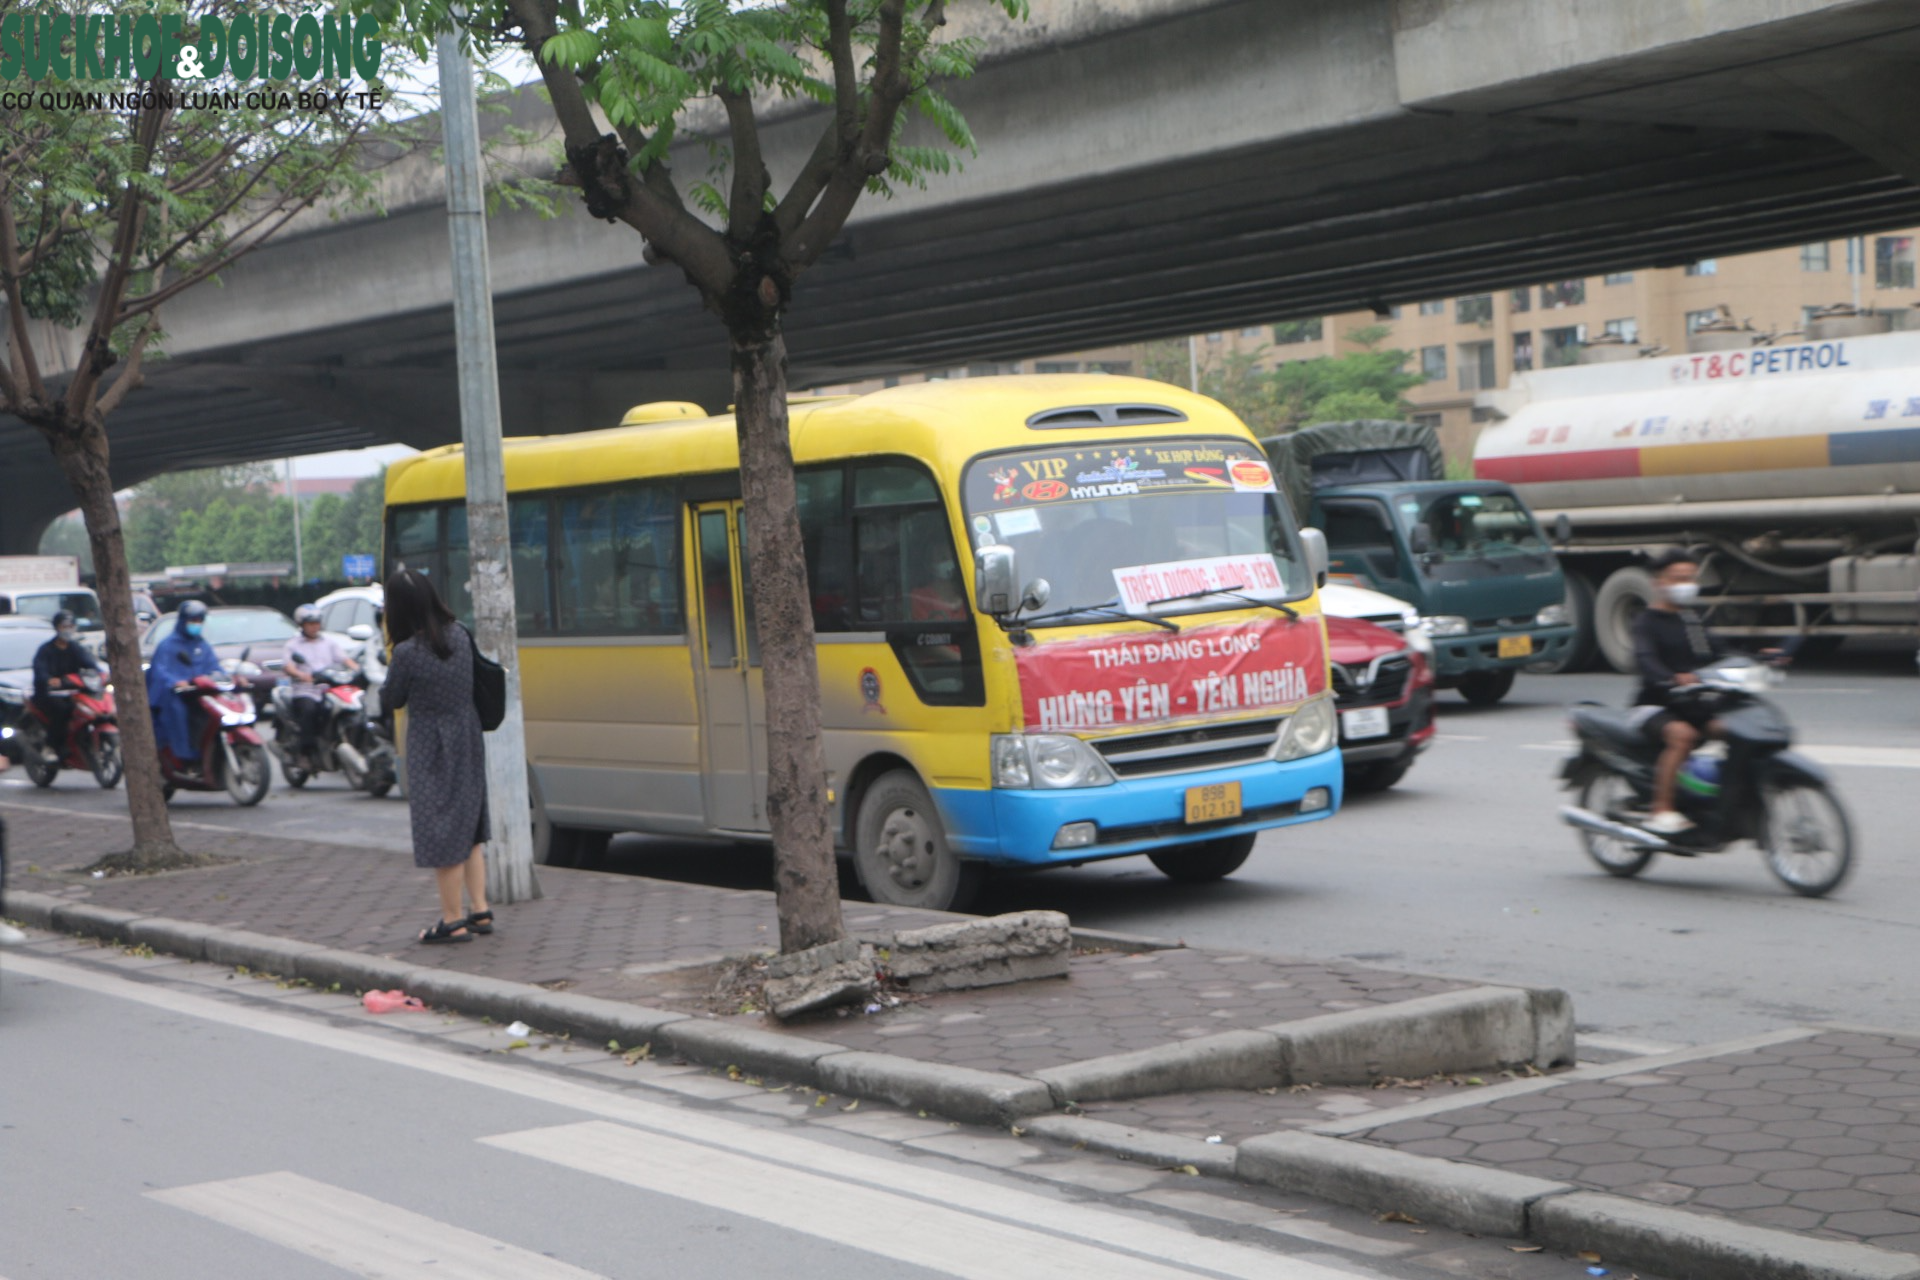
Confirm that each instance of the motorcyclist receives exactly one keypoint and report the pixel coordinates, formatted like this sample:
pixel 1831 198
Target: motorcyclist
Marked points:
pixel 311 652
pixel 1671 644
pixel 177 661
pixel 57 659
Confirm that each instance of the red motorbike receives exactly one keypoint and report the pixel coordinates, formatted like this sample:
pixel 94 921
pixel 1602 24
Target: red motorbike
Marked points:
pixel 93 733
pixel 233 756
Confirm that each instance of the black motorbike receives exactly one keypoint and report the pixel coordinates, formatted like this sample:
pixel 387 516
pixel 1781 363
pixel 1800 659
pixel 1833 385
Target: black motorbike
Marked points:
pixel 1747 787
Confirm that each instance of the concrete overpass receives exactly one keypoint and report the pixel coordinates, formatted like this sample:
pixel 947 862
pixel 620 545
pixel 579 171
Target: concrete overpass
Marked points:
pixel 1146 167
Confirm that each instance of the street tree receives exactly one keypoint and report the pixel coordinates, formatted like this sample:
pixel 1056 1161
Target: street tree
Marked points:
pixel 108 214
pixel 626 79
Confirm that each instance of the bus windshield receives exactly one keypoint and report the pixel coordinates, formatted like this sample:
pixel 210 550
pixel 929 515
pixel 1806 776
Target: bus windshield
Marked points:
pixel 1127 527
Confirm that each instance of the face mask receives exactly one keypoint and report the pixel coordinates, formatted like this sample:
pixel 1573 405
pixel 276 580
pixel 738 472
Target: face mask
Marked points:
pixel 1682 593
pixel 67 634
pixel 192 629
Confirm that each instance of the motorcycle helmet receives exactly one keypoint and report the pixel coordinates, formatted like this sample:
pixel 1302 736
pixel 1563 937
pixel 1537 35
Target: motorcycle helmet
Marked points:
pixel 306 613
pixel 64 618
pixel 193 611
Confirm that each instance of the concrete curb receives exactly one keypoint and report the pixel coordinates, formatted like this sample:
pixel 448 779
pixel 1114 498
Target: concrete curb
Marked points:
pixel 1144 1146
pixel 981 1097
pixel 1703 1248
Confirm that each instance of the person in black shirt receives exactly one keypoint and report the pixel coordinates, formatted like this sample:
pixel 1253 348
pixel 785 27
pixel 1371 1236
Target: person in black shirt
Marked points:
pixel 1670 644
pixel 57 659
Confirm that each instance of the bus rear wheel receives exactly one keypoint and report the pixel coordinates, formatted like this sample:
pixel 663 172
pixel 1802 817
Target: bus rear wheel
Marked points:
pixel 1200 863
pixel 901 853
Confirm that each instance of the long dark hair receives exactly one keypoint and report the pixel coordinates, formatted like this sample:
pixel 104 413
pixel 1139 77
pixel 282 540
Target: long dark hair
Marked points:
pixel 413 607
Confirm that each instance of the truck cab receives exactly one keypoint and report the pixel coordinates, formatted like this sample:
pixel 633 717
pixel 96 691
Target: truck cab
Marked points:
pixel 1467 554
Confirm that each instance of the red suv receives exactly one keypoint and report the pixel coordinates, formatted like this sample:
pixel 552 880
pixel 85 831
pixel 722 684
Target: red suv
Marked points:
pixel 1383 690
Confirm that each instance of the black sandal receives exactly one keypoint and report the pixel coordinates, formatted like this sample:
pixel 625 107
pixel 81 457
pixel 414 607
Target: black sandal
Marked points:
pixel 444 932
pixel 480 922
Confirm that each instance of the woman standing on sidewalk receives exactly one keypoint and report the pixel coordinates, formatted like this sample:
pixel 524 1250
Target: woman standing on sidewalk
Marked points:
pixel 432 677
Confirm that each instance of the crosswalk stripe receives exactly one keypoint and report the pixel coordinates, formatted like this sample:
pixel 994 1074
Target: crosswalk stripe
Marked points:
pixel 357 1233
pixel 1153 1239
pixel 1871 757
pixel 879 1222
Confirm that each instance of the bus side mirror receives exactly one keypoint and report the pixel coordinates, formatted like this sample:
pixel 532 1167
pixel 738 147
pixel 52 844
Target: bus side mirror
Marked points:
pixel 993 581
pixel 1314 543
pixel 1562 529
pixel 1420 539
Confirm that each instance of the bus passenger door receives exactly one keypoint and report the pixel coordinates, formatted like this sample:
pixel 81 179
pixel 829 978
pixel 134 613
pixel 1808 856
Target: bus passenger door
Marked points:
pixel 732 730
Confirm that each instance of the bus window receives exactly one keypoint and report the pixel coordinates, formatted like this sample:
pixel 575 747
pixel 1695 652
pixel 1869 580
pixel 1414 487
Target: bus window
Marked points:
pixel 646 541
pixel 455 589
pixel 716 590
pixel 584 585
pixel 527 543
pixel 828 538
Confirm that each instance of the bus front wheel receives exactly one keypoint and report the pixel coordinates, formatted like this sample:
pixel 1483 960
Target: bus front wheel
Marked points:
pixel 901 851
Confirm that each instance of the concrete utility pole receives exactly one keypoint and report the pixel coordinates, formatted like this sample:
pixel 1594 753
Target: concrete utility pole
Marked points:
pixel 1193 363
pixel 510 867
pixel 299 557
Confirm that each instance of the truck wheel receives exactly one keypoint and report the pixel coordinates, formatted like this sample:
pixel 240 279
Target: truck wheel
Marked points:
pixel 900 849
pixel 1200 863
pixel 1484 688
pixel 1579 652
pixel 1619 601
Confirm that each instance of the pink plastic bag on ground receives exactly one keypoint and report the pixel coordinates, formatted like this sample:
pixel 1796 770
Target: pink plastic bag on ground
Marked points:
pixel 392 1001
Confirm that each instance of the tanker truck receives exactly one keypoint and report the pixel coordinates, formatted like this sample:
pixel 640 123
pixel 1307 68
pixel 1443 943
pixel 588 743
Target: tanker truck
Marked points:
pixel 1791 468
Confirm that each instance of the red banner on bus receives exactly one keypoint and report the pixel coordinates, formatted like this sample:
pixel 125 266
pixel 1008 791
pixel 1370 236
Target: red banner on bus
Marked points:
pixel 1114 682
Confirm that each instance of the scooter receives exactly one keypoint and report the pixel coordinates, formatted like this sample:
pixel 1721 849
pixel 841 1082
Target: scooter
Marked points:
pixel 233 757
pixel 93 733
pixel 345 740
pixel 1748 787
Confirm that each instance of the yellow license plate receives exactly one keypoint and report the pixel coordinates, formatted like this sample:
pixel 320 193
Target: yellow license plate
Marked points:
pixel 1515 646
pixel 1213 803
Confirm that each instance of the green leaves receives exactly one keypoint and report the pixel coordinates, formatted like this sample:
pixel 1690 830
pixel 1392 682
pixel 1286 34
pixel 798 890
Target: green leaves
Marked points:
pixel 574 49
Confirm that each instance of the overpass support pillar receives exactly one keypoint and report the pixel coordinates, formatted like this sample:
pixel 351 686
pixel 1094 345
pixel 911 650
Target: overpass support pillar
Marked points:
pixel 32 496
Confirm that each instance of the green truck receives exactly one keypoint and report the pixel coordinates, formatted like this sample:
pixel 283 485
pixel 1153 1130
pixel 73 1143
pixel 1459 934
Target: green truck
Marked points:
pixel 1467 554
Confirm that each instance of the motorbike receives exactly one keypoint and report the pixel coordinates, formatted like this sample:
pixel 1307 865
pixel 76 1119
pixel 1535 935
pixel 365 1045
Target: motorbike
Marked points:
pixel 346 741
pixel 1748 787
pixel 233 757
pixel 93 733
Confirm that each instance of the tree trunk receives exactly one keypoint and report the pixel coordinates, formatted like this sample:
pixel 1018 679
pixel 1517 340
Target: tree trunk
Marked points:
pixel 806 879
pixel 82 455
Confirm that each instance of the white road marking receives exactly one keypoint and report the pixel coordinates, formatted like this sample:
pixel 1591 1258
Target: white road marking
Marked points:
pixel 927 1184
pixel 880 1222
pixel 116 817
pixel 1325 1233
pixel 359 1234
pixel 1629 1044
pixel 1869 757
pixel 1462 737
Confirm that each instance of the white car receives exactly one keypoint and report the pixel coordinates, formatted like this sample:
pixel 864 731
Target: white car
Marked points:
pixel 349 607
pixel 1344 600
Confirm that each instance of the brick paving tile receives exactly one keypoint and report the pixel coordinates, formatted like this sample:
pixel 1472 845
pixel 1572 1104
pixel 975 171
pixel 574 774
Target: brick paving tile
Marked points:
pixel 1804 1136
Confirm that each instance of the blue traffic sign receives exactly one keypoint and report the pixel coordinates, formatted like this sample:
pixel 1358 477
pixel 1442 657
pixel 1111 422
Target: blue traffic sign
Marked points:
pixel 357 568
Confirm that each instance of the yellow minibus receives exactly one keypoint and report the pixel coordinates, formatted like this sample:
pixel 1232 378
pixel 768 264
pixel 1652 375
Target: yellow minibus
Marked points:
pixel 1060 618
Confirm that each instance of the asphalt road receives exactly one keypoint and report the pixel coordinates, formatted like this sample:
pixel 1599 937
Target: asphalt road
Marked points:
pixel 1463 869
pixel 177 1121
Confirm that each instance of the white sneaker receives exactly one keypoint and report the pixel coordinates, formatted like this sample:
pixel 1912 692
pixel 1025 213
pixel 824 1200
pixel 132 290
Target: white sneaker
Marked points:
pixel 10 936
pixel 1668 822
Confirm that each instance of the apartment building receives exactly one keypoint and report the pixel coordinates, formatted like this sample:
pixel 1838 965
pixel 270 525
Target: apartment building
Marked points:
pixel 1469 344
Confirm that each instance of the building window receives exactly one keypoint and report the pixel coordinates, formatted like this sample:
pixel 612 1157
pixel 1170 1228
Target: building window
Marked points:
pixel 1519 300
pixel 1893 262
pixel 1433 363
pixel 1564 293
pixel 1619 277
pixel 1431 421
pixel 1477 372
pixel 1056 366
pixel 1216 337
pixel 1562 345
pixel 1433 308
pixel 1695 319
pixel 1288 331
pixel 1253 332
pixel 1522 351
pixel 1120 367
pixel 1627 330
pixel 1816 257
pixel 1475 310
pixel 1704 267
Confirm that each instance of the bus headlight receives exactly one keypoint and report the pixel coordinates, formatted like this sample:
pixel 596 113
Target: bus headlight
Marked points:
pixel 1046 762
pixel 1554 615
pixel 1308 731
pixel 1448 624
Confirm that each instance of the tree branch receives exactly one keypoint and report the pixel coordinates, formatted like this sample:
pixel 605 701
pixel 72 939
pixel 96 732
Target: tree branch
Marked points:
pixel 96 353
pixel 26 369
pixel 750 179
pixel 841 135
pixel 130 375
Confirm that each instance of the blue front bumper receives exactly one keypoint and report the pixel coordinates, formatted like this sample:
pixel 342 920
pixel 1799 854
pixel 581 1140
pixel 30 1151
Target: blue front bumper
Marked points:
pixel 1017 828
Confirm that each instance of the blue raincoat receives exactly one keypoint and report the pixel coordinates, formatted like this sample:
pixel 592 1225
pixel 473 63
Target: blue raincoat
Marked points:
pixel 178 657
